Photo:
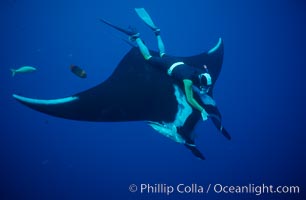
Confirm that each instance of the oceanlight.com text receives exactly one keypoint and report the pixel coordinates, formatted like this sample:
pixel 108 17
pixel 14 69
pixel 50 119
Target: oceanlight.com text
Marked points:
pixel 194 188
pixel 256 189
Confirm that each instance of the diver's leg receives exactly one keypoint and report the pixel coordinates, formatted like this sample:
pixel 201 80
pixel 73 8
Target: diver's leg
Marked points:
pixel 143 49
pixel 160 42
pixel 144 15
pixel 161 63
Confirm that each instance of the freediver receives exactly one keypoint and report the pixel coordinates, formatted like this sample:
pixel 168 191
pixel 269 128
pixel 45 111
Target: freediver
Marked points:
pixel 188 75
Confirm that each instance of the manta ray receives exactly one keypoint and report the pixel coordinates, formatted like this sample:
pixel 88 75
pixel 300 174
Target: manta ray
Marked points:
pixel 138 91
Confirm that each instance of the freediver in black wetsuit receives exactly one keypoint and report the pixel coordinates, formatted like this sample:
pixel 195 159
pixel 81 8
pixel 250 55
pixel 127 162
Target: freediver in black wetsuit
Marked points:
pixel 190 76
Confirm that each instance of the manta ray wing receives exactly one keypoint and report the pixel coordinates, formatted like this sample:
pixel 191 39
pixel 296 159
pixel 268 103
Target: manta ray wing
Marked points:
pixel 136 91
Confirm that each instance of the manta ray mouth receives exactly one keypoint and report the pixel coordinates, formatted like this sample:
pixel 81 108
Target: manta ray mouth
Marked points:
pixel 45 102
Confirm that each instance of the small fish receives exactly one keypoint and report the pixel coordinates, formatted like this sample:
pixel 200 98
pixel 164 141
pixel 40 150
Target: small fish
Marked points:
pixel 78 71
pixel 22 70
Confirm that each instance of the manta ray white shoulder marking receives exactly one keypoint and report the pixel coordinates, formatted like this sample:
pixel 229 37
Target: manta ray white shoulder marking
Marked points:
pixel 215 47
pixel 45 102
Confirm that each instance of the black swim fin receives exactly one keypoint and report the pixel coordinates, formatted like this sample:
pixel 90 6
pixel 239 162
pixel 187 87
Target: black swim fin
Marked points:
pixel 125 31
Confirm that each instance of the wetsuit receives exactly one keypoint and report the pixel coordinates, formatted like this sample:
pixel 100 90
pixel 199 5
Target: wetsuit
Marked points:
pixel 178 70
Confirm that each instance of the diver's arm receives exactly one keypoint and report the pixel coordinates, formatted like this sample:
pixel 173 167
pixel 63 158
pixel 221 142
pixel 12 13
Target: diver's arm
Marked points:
pixel 189 95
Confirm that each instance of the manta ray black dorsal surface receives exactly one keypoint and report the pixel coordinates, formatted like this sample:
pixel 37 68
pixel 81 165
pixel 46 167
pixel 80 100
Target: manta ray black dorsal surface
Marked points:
pixel 136 91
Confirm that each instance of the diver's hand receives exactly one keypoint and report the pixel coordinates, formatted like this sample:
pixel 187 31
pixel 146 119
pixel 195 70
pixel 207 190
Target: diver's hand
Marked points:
pixel 204 115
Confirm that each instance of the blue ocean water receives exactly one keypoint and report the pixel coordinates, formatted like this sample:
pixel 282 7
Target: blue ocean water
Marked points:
pixel 260 92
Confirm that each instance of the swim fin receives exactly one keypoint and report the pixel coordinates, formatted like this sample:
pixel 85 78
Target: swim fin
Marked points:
pixel 142 13
pixel 128 32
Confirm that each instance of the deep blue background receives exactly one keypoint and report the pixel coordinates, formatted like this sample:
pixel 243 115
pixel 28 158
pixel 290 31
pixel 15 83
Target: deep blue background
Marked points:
pixel 260 92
